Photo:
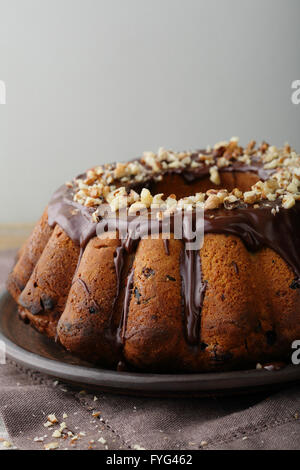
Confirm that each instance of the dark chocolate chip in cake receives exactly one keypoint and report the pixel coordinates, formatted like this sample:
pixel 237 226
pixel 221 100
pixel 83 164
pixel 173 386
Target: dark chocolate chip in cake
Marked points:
pixel 48 302
pixel 137 295
pixel 295 284
pixel 148 272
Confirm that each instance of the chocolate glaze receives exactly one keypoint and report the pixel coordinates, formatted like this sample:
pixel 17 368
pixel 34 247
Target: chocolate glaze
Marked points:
pixel 94 307
pixel 72 217
pixel 257 227
pixel 85 287
pixel 128 292
pixel 119 263
pixel 193 290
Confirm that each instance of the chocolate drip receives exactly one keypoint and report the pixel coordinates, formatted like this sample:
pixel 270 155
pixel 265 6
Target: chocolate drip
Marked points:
pixel 259 228
pixel 193 290
pixel 73 218
pixel 193 287
pixel 76 219
pixel 128 292
pixel 81 281
pixel 118 333
pixel 78 261
pixel 94 307
pixel 119 263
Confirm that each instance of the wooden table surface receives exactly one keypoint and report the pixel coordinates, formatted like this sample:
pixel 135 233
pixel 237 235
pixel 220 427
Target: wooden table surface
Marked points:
pixel 13 235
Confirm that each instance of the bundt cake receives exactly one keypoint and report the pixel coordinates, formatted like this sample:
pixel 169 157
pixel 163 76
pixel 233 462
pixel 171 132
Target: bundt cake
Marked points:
pixel 121 296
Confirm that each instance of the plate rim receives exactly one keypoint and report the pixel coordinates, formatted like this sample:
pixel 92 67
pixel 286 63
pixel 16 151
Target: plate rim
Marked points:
pixel 145 382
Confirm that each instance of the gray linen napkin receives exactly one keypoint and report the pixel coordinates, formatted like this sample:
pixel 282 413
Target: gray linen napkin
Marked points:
pixel 106 421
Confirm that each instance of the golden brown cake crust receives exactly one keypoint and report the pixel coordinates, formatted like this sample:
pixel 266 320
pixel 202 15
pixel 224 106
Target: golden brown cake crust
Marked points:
pixel 242 316
pixel 87 325
pixel 29 256
pixel 109 300
pixel 46 292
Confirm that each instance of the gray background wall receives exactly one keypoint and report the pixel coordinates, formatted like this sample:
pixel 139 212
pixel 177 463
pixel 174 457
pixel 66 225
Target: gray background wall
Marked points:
pixel 90 81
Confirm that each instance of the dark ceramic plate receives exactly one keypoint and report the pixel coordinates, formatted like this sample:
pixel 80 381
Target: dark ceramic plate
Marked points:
pixel 31 349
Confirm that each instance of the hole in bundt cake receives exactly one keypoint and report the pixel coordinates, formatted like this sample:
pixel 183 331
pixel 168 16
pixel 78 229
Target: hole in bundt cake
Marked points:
pixel 176 184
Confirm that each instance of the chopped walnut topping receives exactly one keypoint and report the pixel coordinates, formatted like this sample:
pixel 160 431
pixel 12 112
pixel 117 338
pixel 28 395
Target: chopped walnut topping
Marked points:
pixel 221 144
pixel 51 446
pixel 7 444
pixel 222 162
pixel 250 147
pixel 250 197
pixel 136 207
pixel 292 187
pixel 146 197
pixel 157 200
pixel 214 175
pixel 114 183
pixel 288 201
pixel 213 202
pixel 237 193
pixel 52 419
